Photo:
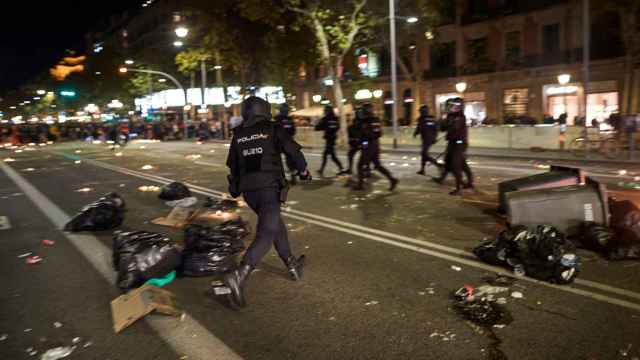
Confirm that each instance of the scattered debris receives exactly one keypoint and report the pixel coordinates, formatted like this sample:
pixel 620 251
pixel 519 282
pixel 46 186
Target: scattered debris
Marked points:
pixel 77 162
pixel 4 337
pixel 27 330
pixel 118 154
pixel 84 189
pixel 349 242
pixel 78 151
pixel 456 268
pixel 622 172
pixel 75 340
pixel 87 344
pixel 57 353
pixel 150 188
pixel 193 157
pixel 517 295
pixel 147 167
pixel 57 325
pixel 47 242
pixel 29 169
pixel 24 255
pixel 35 259
pixel 9 160
pixel 373 302
pixel 499 326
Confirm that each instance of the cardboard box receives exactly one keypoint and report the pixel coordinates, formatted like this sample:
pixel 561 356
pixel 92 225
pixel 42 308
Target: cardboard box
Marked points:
pixel 136 304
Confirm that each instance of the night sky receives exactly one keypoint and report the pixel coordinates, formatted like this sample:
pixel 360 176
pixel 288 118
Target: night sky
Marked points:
pixel 35 34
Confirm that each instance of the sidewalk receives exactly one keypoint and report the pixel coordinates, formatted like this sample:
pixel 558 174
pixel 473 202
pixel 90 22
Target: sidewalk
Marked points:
pixel 518 154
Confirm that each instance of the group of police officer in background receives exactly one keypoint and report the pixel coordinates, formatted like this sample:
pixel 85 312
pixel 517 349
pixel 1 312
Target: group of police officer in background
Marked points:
pixel 257 173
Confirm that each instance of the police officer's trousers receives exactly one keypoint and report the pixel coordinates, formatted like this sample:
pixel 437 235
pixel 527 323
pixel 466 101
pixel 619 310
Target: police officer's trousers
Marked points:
pixel 371 154
pixel 270 229
pixel 330 150
pixel 425 155
pixel 353 150
pixel 456 163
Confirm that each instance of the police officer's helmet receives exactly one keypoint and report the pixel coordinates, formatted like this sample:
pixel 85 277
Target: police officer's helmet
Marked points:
pixel 456 105
pixel 255 109
pixel 424 110
pixel 284 109
pixel 367 109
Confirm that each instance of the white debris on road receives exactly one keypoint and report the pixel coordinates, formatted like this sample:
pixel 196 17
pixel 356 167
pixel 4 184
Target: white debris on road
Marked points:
pixel 517 295
pixel 456 268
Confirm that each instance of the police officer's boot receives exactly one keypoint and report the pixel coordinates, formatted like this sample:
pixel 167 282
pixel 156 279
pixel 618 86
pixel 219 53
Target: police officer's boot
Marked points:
pixel 295 267
pixel 235 281
pixel 394 183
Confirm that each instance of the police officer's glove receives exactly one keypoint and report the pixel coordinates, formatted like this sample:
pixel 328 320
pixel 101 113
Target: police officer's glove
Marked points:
pixel 305 176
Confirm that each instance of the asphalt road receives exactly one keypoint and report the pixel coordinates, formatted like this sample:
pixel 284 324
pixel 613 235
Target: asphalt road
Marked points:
pixel 381 268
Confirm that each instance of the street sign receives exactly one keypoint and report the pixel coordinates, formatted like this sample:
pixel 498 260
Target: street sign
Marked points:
pixel 4 223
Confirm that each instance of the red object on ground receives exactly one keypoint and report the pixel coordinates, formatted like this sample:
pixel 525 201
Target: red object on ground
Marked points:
pixel 33 259
pixel 48 242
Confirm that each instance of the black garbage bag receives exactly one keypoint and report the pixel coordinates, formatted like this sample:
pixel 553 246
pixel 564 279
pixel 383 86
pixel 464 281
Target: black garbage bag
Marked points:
pixel 104 214
pixel 541 252
pixel 139 256
pixel 174 191
pixel 624 244
pixel 236 228
pixel 220 204
pixel 210 250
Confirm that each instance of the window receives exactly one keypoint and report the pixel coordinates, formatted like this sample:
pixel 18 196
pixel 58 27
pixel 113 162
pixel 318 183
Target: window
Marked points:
pixel 516 102
pixel 551 38
pixel 443 55
pixel 477 50
pixel 512 49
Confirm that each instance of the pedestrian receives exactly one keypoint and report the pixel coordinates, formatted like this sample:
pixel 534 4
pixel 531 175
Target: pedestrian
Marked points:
pixel 457 143
pixel 330 124
pixel 255 163
pixel 289 126
pixel 353 132
pixel 427 128
pixel 371 131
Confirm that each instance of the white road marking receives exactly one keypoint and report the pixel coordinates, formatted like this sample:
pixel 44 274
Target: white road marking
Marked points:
pixel 188 338
pixel 463 257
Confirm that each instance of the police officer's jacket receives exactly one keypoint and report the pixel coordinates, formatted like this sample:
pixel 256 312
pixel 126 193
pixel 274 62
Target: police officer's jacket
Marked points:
pixel 371 128
pixel 457 131
pixel 287 123
pixel 330 125
pixel 427 128
pixel 354 132
pixel 255 157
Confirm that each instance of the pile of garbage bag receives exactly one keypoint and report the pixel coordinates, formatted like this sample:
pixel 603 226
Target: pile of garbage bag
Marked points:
pixel 174 191
pixel 620 241
pixel 140 255
pixel 212 250
pixel 541 252
pixel 220 204
pixel 104 214
pixel 480 307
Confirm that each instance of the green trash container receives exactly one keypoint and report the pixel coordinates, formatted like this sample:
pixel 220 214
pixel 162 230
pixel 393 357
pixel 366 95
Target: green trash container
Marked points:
pixel 557 176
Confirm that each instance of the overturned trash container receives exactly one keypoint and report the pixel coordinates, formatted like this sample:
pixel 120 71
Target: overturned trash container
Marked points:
pixel 557 176
pixel 565 208
pixel 104 214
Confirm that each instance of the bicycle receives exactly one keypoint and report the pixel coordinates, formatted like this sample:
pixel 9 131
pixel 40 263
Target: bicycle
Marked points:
pixel 606 145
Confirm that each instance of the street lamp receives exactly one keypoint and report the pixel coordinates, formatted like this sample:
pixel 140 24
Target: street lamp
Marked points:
pixel 317 98
pixel 123 70
pixel 217 67
pixel 461 87
pixel 563 79
pixel 182 32
pixel 412 19
pixel 128 62
pixel 178 43
pixel 41 92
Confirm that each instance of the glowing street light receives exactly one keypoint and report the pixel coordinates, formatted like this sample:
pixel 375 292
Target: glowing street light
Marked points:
pixel 162 80
pixel 377 93
pixel 178 43
pixel 461 87
pixel 36 98
pixel 128 62
pixel 182 32
pixel 217 67
pixel 564 79
pixel 41 92
pixel 412 20
pixel 317 98
pixel 123 70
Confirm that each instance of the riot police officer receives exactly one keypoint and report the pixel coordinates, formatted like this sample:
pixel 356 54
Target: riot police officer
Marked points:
pixel 289 126
pixel 330 124
pixel 353 132
pixel 255 163
pixel 427 128
pixel 457 142
pixel 371 131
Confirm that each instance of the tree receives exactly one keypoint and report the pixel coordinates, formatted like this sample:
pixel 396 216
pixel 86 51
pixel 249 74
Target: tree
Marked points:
pixel 337 26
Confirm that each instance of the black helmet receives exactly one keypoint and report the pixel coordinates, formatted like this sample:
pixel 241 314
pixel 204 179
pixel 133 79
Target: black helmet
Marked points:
pixel 424 110
pixel 367 109
pixel 455 104
pixel 284 109
pixel 255 109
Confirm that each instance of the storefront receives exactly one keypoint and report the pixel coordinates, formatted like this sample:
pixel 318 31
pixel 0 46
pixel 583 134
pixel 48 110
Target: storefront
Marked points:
pixel 515 103
pixel 602 101
pixel 475 107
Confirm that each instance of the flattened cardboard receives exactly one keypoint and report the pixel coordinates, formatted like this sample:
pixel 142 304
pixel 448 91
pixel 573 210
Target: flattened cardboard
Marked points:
pixel 136 304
